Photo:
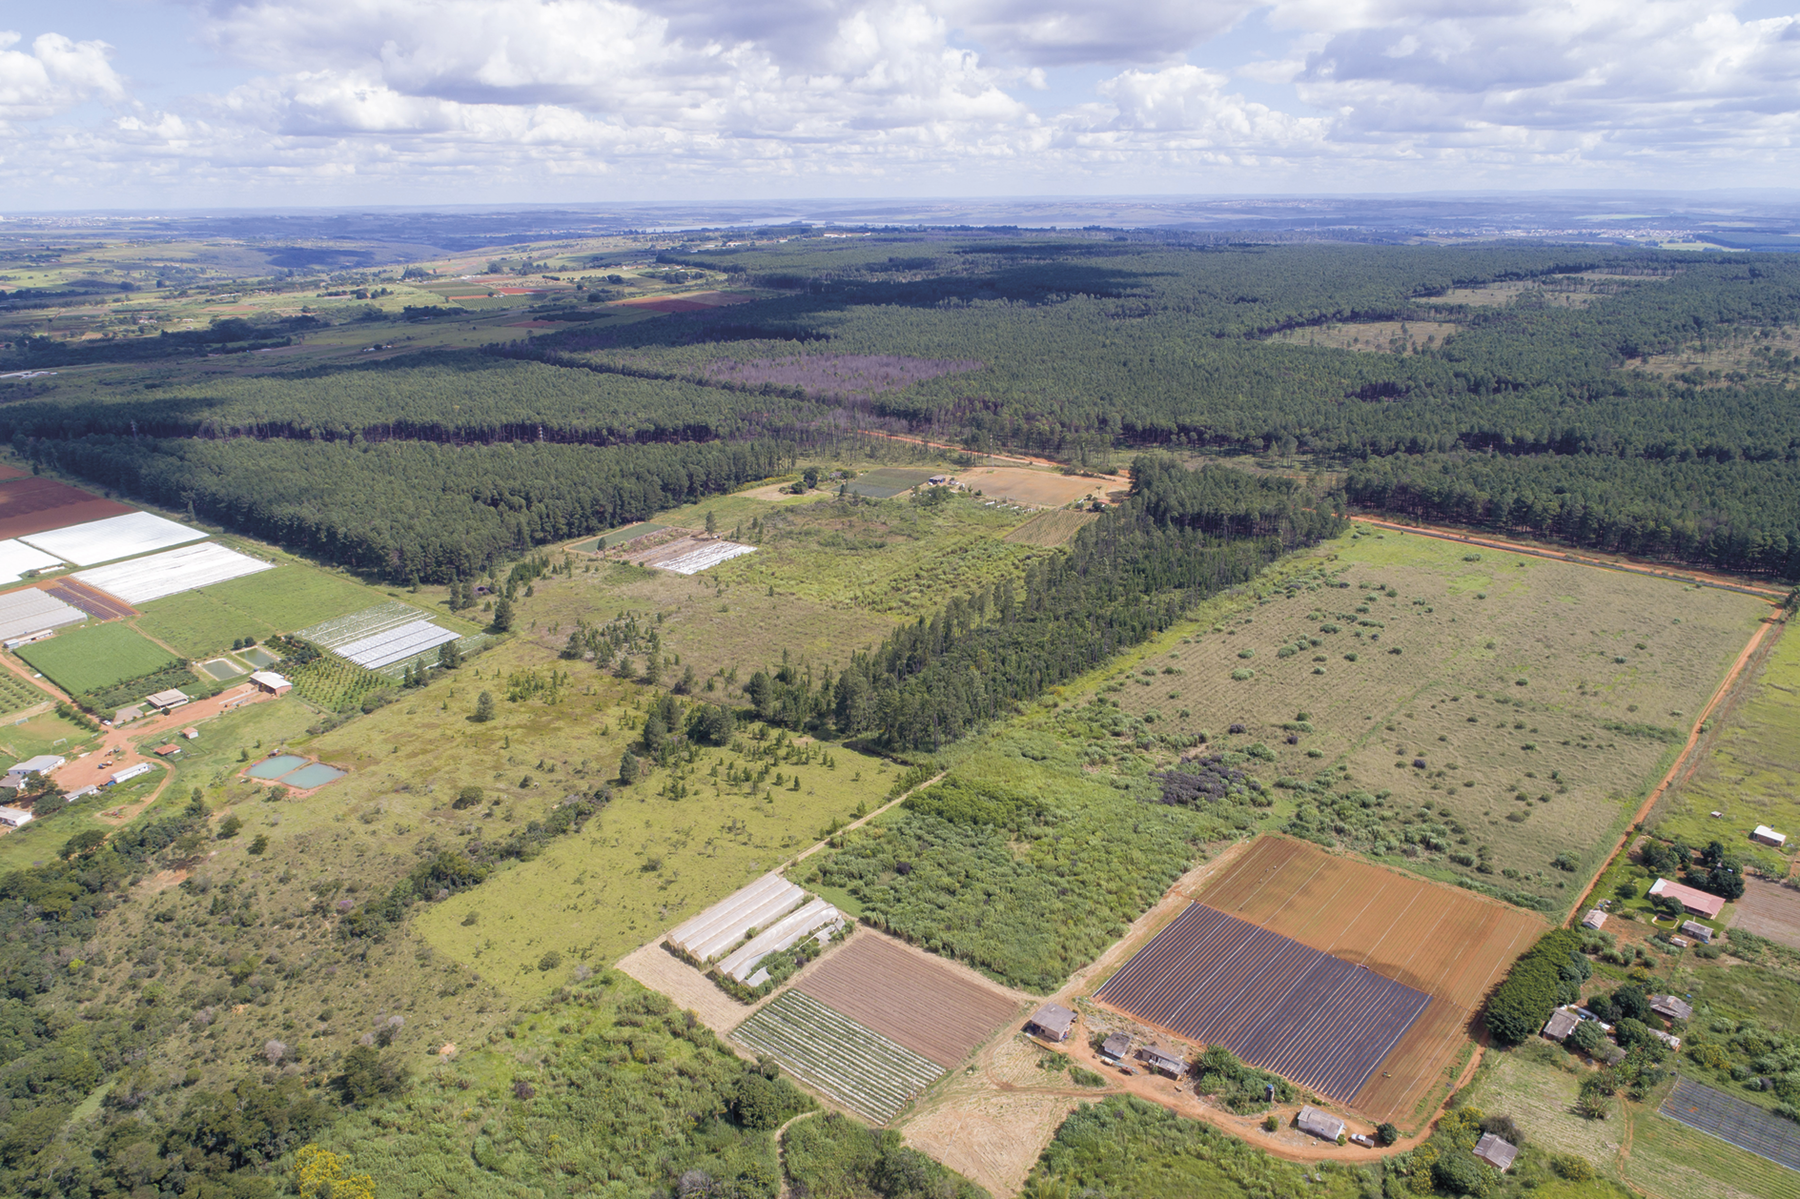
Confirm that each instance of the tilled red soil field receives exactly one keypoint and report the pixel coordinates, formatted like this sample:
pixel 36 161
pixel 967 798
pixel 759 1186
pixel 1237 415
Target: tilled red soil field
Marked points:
pixel 1449 943
pixel 32 505
pixel 934 1011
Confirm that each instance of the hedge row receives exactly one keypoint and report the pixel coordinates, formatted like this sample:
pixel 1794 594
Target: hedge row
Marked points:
pixel 1519 1006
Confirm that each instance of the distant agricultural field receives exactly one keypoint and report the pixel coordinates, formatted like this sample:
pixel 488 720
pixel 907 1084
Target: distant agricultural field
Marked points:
pixel 275 601
pixel 888 481
pixel 96 656
pixel 1051 529
pixel 1467 712
pixel 158 575
pixel 16 694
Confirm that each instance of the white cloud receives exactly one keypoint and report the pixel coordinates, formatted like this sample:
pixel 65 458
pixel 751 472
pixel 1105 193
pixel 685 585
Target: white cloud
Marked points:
pixel 57 75
pixel 944 95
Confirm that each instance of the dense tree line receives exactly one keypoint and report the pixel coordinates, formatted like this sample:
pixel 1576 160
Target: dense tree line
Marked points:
pixel 1551 973
pixel 413 510
pixel 1183 535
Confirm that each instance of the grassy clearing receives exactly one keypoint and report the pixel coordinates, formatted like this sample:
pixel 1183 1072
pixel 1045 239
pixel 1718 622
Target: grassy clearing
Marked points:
pixel 1542 697
pixel 96 656
pixel 1672 1160
pixel 203 622
pixel 1748 774
pixel 1051 529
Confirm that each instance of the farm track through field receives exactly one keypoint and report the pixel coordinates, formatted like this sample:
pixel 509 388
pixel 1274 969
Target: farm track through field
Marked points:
pixel 1686 762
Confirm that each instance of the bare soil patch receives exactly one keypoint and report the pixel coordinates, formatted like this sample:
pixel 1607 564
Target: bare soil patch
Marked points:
pixel 94 602
pixel 33 505
pixel 1033 488
pixel 691 990
pixel 700 301
pixel 1770 910
pixel 935 1009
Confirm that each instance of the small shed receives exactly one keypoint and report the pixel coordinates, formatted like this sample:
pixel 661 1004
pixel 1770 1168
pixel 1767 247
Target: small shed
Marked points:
pixel 168 751
pixel 269 681
pixel 1769 836
pixel 1594 919
pixel 1052 1022
pixel 1163 1061
pixel 1496 1152
pixel 14 817
pixel 1323 1125
pixel 1671 1008
pixel 174 697
pixel 1562 1023
pixel 1697 931
pixel 1673 1042
pixel 190 733
pixel 129 773
pixel 1115 1047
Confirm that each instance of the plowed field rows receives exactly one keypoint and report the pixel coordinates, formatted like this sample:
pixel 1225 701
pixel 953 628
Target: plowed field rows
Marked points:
pixel 1278 1004
pixel 859 1068
pixel 929 1008
pixel 32 505
pixel 1449 943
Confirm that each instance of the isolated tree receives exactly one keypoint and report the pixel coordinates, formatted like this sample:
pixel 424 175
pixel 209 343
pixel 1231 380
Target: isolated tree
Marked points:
pixel 653 669
pixel 712 522
pixel 229 827
pixel 628 768
pixel 449 655
pixel 503 615
pixel 484 708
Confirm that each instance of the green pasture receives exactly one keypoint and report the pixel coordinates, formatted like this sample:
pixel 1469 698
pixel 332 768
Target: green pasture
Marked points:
pixel 95 656
pixel 1543 698
pixel 1748 771
pixel 204 622
pixel 45 733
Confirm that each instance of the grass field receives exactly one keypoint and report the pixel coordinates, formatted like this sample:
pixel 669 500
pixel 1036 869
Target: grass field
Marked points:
pixel 95 656
pixel 1748 772
pixel 1051 529
pixel 1500 711
pixel 199 623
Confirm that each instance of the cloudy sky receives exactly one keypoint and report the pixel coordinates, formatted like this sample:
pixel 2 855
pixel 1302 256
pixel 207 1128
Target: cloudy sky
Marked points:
pixel 149 103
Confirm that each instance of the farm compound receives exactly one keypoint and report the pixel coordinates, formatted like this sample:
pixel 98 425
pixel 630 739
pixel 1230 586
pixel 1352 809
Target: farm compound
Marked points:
pixel 116 537
pixel 1442 942
pixel 143 579
pixel 1214 979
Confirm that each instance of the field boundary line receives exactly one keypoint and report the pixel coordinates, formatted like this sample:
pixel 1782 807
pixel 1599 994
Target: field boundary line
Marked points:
pixel 1624 565
pixel 1732 678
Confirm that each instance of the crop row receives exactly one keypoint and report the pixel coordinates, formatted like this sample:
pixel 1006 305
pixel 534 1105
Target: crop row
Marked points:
pixel 343 630
pixel 861 1069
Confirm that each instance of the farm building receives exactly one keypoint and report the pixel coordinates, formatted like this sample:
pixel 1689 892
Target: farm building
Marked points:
pixel 1496 1152
pixel 1699 903
pixel 1323 1125
pixel 1052 1022
pixel 168 751
pixel 1594 919
pixel 14 817
pixel 1697 931
pixel 1671 1007
pixel 42 764
pixel 269 681
pixel 1673 1042
pixel 1162 1060
pixel 1562 1023
pixel 172 698
pixel 1115 1047
pixel 190 733
pixel 129 773
pixel 1769 836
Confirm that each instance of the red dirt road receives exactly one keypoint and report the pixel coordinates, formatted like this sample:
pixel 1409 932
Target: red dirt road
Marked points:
pixel 97 767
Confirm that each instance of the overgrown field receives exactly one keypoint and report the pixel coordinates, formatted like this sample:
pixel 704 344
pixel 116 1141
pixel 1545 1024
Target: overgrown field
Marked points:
pixel 1748 773
pixel 95 656
pixel 1465 712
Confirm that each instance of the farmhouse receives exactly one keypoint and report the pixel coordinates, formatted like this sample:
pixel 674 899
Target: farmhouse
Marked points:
pixel 172 698
pixel 1162 1060
pixel 1671 1007
pixel 1769 836
pixel 1115 1047
pixel 1323 1125
pixel 270 682
pixel 1699 903
pixel 14 817
pixel 1594 919
pixel 1052 1022
pixel 1697 931
pixel 1496 1152
pixel 1562 1023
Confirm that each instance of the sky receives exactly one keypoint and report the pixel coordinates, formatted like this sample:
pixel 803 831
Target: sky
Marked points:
pixel 141 104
